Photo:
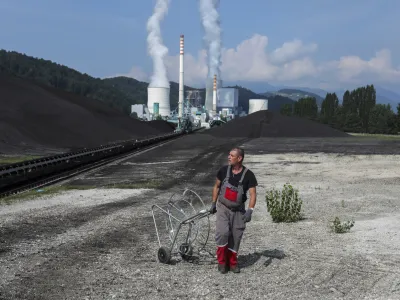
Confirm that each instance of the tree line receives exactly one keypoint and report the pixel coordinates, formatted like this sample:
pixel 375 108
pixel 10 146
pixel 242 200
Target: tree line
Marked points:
pixel 358 112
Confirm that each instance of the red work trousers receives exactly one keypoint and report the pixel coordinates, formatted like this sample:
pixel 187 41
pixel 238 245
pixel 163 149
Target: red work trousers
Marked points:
pixel 228 234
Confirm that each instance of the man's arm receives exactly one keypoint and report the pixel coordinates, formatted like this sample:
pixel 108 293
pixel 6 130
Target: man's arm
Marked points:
pixel 215 190
pixel 253 197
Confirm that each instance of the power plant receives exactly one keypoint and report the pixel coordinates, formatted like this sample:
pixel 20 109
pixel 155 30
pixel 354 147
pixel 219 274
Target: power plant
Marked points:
pixel 220 102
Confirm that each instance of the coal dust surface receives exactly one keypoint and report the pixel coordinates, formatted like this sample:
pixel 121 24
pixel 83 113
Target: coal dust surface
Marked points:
pixel 35 116
pixel 271 124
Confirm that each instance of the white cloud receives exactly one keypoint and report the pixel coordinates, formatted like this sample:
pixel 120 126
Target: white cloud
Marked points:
pixel 251 60
pixel 292 50
pixel 195 68
pixel 378 67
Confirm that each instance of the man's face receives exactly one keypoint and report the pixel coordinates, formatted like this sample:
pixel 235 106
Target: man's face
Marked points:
pixel 233 158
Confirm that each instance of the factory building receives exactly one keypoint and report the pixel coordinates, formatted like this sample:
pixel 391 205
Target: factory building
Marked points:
pixel 228 101
pixel 141 111
pixel 257 105
pixel 227 98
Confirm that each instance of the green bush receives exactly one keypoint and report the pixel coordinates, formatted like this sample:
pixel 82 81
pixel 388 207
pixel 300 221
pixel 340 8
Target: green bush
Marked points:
pixel 340 227
pixel 285 205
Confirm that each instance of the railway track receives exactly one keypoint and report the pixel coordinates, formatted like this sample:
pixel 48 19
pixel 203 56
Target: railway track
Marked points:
pixel 33 174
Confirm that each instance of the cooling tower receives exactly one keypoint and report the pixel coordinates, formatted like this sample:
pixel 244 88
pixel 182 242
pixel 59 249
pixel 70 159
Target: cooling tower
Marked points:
pixel 257 104
pixel 159 95
pixel 209 92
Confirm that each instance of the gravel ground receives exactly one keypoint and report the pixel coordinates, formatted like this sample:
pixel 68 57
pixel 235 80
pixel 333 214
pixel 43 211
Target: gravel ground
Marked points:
pixel 101 243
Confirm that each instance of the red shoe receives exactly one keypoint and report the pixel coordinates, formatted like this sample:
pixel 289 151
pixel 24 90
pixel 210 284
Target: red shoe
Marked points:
pixel 233 263
pixel 222 269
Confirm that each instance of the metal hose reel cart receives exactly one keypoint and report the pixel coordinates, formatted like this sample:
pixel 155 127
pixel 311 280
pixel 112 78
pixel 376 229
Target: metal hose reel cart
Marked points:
pixel 182 226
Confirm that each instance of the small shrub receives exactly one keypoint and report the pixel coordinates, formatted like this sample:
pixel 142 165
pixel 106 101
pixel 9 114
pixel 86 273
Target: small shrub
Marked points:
pixel 285 205
pixel 340 227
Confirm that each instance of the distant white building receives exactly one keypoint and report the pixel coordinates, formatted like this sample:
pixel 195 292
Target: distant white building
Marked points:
pixel 141 110
pixel 228 100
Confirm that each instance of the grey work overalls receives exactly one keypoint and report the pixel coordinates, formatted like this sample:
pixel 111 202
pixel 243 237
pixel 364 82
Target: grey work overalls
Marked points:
pixel 229 220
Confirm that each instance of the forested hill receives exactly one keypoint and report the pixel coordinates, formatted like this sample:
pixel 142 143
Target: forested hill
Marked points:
pixel 119 92
pixel 296 94
pixel 64 78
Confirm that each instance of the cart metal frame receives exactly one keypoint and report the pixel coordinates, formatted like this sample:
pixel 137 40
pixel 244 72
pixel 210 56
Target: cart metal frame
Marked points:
pixel 186 248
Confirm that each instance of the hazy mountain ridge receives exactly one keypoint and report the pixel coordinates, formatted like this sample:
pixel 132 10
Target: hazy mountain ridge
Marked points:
pixel 383 95
pixel 295 94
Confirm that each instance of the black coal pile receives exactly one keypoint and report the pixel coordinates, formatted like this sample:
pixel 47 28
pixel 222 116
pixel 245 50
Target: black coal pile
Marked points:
pixel 34 115
pixel 162 126
pixel 271 124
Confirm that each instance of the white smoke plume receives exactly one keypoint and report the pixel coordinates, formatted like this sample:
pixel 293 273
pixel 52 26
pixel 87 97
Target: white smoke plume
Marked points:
pixel 212 35
pixel 156 48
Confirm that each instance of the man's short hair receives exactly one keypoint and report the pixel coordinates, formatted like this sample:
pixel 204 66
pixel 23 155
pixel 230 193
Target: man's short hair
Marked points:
pixel 240 151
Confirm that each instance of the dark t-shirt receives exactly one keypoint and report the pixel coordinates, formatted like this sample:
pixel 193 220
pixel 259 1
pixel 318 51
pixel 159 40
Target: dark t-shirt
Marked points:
pixel 249 179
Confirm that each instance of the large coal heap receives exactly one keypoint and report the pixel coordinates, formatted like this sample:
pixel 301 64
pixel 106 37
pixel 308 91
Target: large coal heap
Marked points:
pixel 271 124
pixel 34 115
pixel 162 126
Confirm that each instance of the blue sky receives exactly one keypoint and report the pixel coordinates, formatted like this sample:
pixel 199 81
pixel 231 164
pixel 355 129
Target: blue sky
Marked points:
pixel 107 38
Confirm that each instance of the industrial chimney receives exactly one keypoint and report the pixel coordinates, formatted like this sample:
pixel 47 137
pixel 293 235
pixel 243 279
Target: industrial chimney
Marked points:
pixel 181 85
pixel 215 95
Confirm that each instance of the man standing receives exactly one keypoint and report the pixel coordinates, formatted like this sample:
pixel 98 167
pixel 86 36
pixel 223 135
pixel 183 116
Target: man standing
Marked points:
pixel 230 190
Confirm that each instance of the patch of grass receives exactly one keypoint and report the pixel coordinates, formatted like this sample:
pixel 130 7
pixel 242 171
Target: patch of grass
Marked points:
pixel 285 205
pixel 7 160
pixel 45 191
pixel 377 136
pixel 341 227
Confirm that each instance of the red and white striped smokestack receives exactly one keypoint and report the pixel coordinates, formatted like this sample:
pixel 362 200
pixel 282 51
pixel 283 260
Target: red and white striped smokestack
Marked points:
pixel 181 85
pixel 215 94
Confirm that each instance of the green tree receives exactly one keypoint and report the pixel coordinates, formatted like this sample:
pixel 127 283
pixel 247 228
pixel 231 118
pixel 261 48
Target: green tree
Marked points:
pixel 398 119
pixel 329 108
pixel 382 119
pixel 366 99
pixel 287 109
pixel 351 122
pixel 306 107
pixel 347 103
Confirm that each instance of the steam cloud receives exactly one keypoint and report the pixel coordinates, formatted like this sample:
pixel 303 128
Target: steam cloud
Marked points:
pixel 211 25
pixel 156 48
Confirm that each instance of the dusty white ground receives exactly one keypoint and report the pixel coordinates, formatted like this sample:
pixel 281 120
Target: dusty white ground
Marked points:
pixel 108 252
pixel 361 264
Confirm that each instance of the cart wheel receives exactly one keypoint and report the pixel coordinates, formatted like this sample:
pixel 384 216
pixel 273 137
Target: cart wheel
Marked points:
pixel 164 255
pixel 185 250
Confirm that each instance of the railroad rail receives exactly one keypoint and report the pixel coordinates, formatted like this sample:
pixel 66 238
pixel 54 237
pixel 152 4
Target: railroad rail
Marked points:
pixel 19 177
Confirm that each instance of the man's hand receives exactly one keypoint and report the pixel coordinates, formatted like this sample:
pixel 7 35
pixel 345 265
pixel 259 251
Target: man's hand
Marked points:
pixel 247 215
pixel 213 208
